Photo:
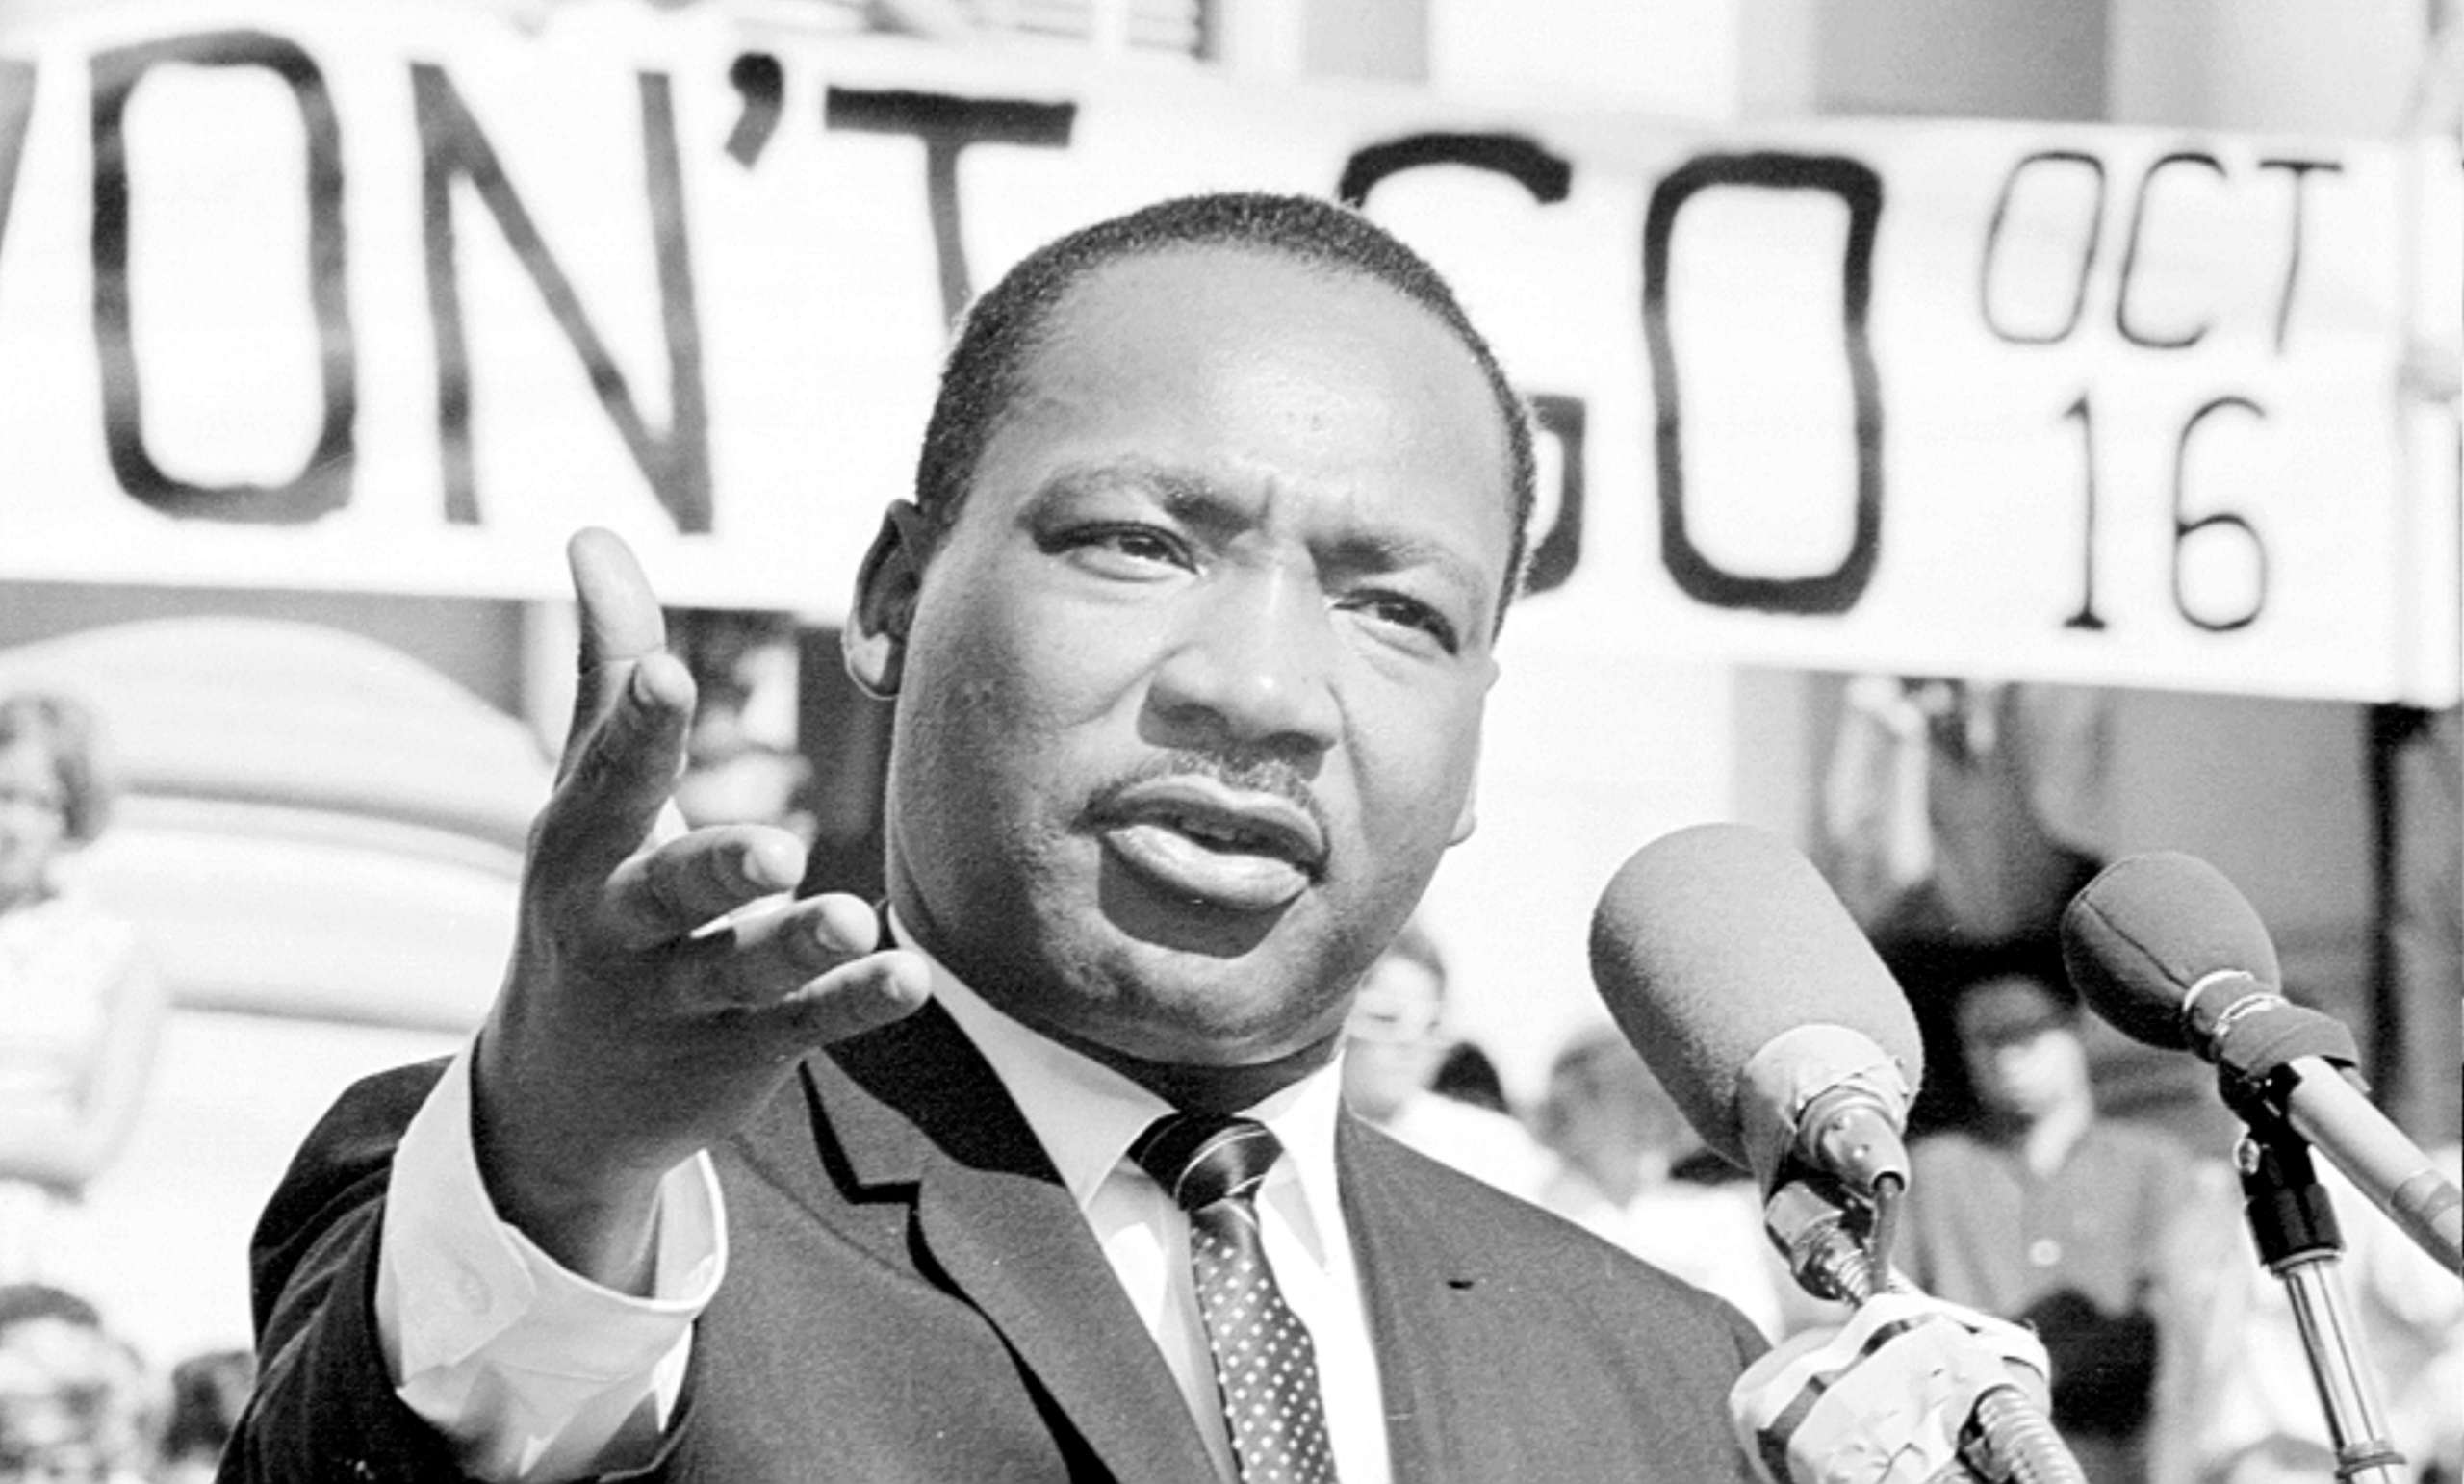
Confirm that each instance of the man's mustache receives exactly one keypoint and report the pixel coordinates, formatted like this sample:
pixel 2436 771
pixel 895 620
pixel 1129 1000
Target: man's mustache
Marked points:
pixel 1263 773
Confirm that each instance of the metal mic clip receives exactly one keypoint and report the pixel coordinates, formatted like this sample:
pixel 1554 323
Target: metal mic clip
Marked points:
pixel 1837 1242
pixel 1834 1203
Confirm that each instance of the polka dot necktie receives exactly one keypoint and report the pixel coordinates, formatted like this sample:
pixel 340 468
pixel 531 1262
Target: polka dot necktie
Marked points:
pixel 1265 1373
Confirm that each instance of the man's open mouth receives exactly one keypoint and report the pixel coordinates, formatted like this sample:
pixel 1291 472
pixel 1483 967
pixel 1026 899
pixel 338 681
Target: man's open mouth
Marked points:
pixel 1209 843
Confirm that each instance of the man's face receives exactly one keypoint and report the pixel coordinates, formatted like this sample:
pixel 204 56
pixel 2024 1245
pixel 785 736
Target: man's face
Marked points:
pixel 34 820
pixel 2024 1057
pixel 1391 1045
pixel 1603 1108
pixel 1190 690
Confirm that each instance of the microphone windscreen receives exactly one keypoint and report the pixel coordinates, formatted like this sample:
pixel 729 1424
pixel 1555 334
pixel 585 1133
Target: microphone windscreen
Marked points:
pixel 1711 941
pixel 2149 928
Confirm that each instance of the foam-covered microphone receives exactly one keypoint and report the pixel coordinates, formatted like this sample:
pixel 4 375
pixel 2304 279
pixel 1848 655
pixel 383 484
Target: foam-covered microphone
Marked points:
pixel 2168 950
pixel 1728 963
pixel 1733 968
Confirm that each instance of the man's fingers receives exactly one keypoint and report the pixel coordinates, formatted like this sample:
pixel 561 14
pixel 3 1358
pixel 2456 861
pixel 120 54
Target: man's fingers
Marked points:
pixel 841 979
pixel 683 885
pixel 621 623
pixel 812 971
pixel 860 996
pixel 616 781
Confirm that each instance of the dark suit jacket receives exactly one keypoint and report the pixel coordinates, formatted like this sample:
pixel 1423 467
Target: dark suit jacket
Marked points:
pixel 914 1295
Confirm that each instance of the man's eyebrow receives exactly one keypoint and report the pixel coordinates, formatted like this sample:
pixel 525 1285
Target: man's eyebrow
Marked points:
pixel 1184 492
pixel 1186 495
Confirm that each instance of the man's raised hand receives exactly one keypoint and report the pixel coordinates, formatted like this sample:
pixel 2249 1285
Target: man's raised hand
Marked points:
pixel 663 983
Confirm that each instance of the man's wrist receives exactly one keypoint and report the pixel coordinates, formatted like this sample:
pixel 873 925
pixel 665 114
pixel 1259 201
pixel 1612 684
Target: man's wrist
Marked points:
pixel 597 1221
pixel 503 1349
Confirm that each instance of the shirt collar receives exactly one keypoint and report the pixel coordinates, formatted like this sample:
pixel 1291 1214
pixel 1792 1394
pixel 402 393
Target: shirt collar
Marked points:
pixel 1085 1114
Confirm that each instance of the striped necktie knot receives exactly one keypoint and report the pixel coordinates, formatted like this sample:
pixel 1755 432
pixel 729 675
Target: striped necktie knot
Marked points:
pixel 1200 1158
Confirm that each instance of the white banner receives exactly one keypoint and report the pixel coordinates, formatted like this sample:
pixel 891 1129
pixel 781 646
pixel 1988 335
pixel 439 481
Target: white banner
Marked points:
pixel 392 299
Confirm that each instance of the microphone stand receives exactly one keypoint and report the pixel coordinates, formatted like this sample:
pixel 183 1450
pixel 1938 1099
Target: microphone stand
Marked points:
pixel 2294 1223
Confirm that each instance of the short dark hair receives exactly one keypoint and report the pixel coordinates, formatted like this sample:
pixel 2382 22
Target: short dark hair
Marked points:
pixel 2052 1004
pixel 1004 327
pixel 69 734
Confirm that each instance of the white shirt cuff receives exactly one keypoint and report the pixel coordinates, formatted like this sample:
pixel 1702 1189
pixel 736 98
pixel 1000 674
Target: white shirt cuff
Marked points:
pixel 501 1348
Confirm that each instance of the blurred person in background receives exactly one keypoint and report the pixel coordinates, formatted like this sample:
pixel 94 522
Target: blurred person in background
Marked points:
pixel 2236 1402
pixel 1631 1169
pixel 2043 1212
pixel 209 1391
pixel 741 764
pixel 76 1405
pixel 80 1007
pixel 1959 817
pixel 1964 811
pixel 1393 1042
pixel 1468 1074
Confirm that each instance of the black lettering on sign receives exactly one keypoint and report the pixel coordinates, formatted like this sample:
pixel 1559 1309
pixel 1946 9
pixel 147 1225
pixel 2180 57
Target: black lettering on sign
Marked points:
pixel 2300 171
pixel 1861 189
pixel 2124 320
pixel 2185 529
pixel 2034 165
pixel 323 485
pixel 1514 156
pixel 947 125
pixel 2084 412
pixel 677 464
pixel 1548 177
pixel 17 107
pixel 761 83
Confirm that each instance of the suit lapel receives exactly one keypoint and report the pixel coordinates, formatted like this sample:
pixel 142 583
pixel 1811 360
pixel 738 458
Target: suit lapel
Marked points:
pixel 918 1104
pixel 1424 1297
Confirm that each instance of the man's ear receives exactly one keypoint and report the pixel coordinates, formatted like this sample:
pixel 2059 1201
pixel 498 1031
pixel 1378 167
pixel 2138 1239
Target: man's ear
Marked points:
pixel 1467 814
pixel 1468 817
pixel 874 641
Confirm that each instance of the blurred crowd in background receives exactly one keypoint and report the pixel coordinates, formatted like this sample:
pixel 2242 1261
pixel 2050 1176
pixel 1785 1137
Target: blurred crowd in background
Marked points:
pixel 2176 1359
pixel 82 1009
pixel 78 1405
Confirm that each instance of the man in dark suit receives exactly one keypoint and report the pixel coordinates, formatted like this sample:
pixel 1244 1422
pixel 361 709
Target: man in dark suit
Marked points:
pixel 1189 628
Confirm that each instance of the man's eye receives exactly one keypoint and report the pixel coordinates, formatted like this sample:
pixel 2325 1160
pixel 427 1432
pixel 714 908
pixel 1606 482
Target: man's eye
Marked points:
pixel 1399 611
pixel 1124 546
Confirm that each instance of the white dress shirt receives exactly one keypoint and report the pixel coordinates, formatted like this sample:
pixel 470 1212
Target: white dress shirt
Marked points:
pixel 544 1376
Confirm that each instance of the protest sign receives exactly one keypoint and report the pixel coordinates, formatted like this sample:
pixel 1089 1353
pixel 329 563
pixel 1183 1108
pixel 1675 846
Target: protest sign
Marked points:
pixel 388 299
